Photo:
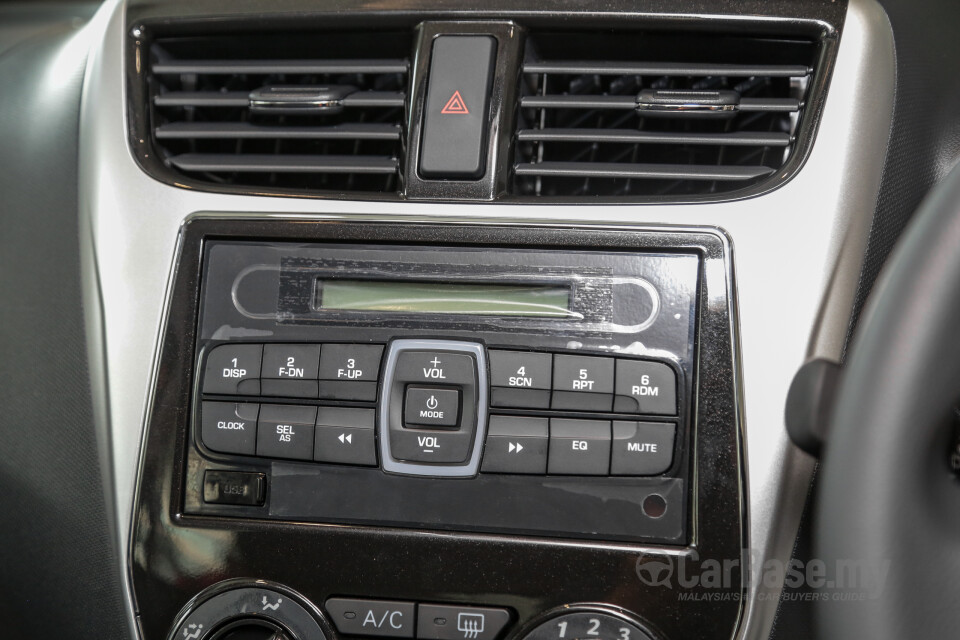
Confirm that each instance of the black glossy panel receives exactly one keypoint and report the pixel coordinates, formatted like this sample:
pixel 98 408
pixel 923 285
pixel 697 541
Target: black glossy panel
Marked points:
pixel 174 555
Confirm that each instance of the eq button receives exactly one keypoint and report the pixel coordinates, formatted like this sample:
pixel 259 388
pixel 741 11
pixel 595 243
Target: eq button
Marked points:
pixel 579 447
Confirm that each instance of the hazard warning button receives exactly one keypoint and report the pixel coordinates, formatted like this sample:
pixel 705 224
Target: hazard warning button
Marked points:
pixel 455 118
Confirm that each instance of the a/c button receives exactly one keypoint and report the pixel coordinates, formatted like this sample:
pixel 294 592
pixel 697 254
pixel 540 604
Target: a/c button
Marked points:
pixel 381 618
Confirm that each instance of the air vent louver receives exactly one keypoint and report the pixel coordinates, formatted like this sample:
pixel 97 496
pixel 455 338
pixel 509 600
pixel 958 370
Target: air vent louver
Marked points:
pixel 320 112
pixel 657 115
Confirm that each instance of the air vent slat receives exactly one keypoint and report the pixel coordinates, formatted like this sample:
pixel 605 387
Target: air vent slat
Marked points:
pixel 203 99
pixel 747 138
pixel 374 99
pixel 242 99
pixel 217 163
pixel 769 104
pixel 630 102
pixel 667 114
pixel 640 171
pixel 660 69
pixel 278 112
pixel 248 131
pixel 269 67
pixel 579 102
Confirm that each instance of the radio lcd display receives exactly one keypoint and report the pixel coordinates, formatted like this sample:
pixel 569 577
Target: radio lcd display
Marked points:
pixel 419 296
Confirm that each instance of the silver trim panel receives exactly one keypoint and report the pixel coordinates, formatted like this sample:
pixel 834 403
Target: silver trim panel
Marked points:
pixel 797 257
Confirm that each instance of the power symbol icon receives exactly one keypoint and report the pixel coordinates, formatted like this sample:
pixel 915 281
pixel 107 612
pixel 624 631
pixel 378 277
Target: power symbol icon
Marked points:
pixel 432 402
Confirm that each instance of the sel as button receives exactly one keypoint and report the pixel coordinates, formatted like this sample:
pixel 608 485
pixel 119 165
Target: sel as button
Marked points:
pixel 286 432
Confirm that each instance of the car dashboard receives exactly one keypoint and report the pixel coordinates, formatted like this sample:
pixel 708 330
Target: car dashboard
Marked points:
pixel 435 320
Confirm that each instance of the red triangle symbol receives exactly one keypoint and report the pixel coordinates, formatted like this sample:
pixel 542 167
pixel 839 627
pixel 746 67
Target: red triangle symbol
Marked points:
pixel 455 104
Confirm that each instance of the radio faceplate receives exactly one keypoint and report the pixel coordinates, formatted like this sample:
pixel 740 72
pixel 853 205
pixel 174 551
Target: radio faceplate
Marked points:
pixel 459 388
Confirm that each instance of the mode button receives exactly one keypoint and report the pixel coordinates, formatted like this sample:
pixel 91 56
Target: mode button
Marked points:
pixel 431 407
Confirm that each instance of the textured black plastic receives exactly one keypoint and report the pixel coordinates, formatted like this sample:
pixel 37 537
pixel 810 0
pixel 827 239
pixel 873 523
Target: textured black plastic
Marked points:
pixel 925 136
pixel 61 572
pixel 889 500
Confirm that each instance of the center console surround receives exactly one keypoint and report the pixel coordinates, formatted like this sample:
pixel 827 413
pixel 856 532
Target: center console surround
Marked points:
pixel 391 527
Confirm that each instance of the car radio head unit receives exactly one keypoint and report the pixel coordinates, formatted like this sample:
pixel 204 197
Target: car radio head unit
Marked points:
pixel 477 387
pixel 394 414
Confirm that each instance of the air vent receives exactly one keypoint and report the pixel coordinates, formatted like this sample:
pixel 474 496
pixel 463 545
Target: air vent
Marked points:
pixel 657 115
pixel 317 112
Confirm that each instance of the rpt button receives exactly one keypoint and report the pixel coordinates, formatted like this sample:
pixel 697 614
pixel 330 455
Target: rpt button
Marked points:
pixel 582 383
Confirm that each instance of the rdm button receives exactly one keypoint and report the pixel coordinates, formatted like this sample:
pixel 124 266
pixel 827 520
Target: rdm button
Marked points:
pixel 455 117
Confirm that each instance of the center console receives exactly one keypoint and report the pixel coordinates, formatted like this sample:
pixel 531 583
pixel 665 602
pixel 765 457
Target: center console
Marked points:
pixel 441 432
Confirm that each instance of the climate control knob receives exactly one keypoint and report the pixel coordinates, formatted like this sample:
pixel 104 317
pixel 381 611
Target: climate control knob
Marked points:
pixel 261 611
pixel 587 624
pixel 252 630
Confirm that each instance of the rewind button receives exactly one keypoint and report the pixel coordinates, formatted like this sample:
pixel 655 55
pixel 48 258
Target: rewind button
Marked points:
pixel 345 436
pixel 516 444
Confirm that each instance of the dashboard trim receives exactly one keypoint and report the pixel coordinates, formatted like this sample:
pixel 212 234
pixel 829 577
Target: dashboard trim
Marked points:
pixel 130 223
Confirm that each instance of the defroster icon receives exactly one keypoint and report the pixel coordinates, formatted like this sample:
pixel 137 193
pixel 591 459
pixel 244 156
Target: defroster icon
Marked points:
pixel 471 624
